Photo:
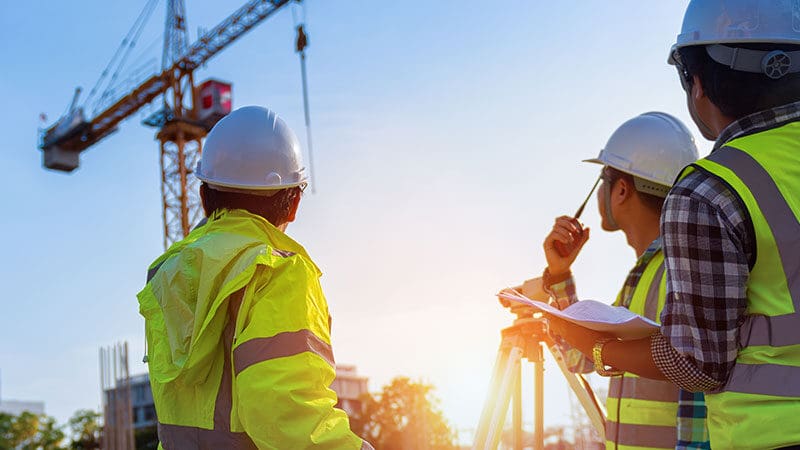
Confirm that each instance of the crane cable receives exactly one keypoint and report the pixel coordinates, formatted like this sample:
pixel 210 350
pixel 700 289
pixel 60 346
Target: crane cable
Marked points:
pixel 300 47
pixel 121 55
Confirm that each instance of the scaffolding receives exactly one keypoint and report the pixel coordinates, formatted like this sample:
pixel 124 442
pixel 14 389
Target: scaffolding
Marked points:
pixel 116 394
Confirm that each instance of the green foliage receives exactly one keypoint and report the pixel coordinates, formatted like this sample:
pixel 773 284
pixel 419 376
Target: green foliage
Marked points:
pixel 146 438
pixel 85 430
pixel 29 431
pixel 404 415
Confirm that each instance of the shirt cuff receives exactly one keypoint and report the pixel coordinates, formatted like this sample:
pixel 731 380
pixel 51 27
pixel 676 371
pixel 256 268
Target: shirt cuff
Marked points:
pixel 677 369
pixel 561 289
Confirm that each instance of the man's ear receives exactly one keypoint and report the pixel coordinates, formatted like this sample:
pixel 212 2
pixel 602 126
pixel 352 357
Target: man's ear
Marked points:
pixel 697 88
pixel 293 207
pixel 622 191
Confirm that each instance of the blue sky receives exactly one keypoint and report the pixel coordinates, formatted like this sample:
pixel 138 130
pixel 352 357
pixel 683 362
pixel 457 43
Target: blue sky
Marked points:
pixel 448 136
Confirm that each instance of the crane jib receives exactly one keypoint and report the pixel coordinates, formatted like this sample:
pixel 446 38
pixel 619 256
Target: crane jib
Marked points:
pixel 81 134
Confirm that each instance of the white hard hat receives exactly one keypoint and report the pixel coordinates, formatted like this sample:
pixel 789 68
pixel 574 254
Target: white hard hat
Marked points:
pixel 734 22
pixel 654 146
pixel 251 149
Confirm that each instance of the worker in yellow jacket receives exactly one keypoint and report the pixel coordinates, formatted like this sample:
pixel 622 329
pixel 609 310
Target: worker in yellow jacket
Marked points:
pixel 640 162
pixel 237 326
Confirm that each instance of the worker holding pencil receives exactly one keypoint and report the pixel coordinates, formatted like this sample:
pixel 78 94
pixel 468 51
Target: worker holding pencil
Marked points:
pixel 640 161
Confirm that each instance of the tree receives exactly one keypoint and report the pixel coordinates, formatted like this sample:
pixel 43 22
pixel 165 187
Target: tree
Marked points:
pixel 146 438
pixel 85 430
pixel 29 431
pixel 404 416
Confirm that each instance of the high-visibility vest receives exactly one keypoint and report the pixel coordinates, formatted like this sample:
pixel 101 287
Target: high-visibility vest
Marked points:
pixel 239 342
pixel 642 413
pixel 759 405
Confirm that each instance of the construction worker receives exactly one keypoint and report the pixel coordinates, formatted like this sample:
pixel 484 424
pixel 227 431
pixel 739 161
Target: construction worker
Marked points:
pixel 237 326
pixel 731 322
pixel 640 162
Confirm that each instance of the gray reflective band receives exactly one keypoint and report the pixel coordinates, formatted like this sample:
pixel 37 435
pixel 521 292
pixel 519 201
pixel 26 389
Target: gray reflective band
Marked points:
pixel 641 435
pixel 181 437
pixel 764 379
pixel 775 330
pixel 642 389
pixel 651 302
pixel 281 345
pixel 773 64
pixel 151 272
pixel 366 446
pixel 763 330
pixel 177 437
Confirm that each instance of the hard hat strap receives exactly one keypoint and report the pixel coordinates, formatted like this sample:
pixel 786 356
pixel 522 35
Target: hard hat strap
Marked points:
pixel 774 64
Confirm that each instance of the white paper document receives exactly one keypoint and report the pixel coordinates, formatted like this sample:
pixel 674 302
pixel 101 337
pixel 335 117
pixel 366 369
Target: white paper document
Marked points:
pixel 594 315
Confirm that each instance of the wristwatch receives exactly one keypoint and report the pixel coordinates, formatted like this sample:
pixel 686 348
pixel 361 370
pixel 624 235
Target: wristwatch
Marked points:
pixel 597 357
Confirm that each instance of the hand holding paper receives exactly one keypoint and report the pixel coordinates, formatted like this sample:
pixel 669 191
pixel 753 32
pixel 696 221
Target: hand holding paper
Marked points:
pixel 594 315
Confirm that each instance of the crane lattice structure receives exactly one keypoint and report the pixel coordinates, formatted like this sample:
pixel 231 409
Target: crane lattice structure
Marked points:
pixel 181 127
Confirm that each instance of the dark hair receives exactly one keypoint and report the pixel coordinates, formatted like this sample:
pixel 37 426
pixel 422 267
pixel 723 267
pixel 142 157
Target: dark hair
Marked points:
pixel 653 202
pixel 738 94
pixel 275 208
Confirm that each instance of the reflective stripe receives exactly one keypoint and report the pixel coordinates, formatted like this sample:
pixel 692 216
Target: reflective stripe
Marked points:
pixel 771 331
pixel 151 272
pixel 223 403
pixel 195 438
pixel 366 446
pixel 765 379
pixel 281 345
pixel 781 219
pixel 651 303
pixel 643 389
pixel 642 435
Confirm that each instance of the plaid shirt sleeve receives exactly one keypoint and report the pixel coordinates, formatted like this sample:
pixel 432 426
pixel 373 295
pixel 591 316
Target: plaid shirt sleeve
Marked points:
pixel 562 293
pixel 708 250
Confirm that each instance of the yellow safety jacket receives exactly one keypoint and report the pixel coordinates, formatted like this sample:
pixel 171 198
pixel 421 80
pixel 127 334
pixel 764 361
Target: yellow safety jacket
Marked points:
pixel 759 405
pixel 642 413
pixel 239 342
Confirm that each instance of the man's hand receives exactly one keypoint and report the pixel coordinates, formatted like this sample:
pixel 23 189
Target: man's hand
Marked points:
pixel 577 336
pixel 569 232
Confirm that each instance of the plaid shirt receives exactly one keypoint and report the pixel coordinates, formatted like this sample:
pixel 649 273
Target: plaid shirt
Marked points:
pixel 692 429
pixel 709 248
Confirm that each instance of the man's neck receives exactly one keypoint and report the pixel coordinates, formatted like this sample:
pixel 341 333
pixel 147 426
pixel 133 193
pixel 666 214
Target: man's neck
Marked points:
pixel 643 232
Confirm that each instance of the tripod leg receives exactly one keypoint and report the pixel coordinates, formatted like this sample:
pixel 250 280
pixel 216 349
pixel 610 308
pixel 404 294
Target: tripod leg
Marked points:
pixel 517 411
pixel 490 405
pixel 583 391
pixel 538 389
pixel 494 412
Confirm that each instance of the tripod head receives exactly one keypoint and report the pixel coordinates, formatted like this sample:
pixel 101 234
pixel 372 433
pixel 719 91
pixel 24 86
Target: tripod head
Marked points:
pixel 528 331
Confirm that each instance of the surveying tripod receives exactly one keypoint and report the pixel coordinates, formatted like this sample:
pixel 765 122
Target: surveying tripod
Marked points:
pixel 524 339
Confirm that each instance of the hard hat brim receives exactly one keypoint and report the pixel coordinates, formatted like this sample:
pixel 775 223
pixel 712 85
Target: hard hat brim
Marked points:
pixel 595 161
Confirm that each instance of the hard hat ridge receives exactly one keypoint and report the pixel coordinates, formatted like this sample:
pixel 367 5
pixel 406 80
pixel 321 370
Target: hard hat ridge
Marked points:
pixel 251 149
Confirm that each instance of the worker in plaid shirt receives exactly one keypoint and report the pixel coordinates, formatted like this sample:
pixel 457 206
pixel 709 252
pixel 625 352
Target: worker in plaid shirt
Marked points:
pixel 731 235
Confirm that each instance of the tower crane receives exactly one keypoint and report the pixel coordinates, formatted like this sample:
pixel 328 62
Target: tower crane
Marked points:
pixel 186 115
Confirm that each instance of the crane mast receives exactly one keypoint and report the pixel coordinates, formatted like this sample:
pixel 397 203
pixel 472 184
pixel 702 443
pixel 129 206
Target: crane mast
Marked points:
pixel 181 126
